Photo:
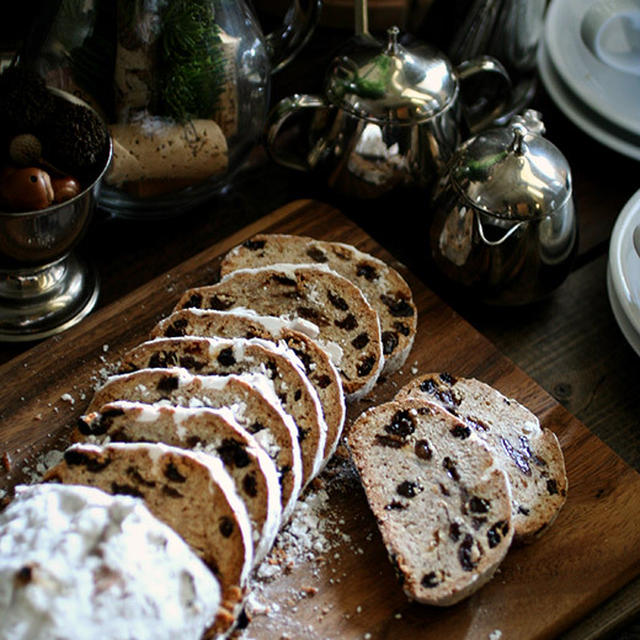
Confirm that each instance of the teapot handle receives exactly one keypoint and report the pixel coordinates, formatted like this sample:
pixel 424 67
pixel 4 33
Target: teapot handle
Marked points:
pixel 286 108
pixel 284 43
pixel 499 241
pixel 484 111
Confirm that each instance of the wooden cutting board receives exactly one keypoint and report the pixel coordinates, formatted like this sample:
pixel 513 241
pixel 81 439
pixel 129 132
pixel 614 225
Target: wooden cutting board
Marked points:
pixel 592 550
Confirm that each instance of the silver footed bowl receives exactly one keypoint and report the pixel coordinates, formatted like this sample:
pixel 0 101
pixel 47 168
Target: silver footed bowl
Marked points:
pixel 44 287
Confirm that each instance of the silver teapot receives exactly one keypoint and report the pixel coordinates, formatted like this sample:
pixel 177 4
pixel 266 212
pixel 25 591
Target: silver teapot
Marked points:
pixel 503 223
pixel 391 116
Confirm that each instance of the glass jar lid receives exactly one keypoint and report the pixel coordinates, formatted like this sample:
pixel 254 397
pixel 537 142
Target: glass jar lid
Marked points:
pixel 390 83
pixel 513 172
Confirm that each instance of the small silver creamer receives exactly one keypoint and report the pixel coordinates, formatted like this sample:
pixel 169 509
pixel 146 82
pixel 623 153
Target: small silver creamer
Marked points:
pixel 503 223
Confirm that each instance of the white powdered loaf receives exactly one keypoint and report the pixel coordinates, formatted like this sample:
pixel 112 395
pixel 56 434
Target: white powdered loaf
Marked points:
pixel 443 508
pixel 189 491
pixel 77 563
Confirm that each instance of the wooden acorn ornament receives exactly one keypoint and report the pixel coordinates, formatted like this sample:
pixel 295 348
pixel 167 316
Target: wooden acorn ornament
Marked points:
pixel 25 189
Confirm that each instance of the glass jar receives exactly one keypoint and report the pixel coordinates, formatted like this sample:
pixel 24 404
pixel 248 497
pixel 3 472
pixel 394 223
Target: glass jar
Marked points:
pixel 183 84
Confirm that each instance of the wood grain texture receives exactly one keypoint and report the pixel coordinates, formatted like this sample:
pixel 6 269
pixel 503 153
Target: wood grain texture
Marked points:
pixel 590 552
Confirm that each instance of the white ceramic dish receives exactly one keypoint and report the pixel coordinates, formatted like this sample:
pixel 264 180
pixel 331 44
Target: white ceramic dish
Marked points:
pixel 631 335
pixel 582 116
pixel 613 94
pixel 624 263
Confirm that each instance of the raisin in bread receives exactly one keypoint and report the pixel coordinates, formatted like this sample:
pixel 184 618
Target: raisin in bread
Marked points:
pixel 531 456
pixel 443 508
pixel 384 288
pixel 191 492
pixel 251 398
pixel 315 293
pixel 298 336
pixel 207 356
pixel 77 563
pixel 214 431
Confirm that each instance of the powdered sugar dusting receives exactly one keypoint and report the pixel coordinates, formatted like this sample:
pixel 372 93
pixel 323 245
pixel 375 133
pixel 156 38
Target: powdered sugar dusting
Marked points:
pixel 308 558
pixel 34 473
pixel 304 538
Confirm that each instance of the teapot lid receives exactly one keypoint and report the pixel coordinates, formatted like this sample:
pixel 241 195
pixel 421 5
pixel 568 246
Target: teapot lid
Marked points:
pixel 390 83
pixel 513 172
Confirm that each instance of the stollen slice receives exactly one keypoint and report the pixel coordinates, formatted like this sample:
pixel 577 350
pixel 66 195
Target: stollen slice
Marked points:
pixel 530 456
pixel 212 431
pixel 78 563
pixel 191 492
pixel 314 293
pixel 385 289
pixel 251 398
pixel 297 335
pixel 211 356
pixel 442 506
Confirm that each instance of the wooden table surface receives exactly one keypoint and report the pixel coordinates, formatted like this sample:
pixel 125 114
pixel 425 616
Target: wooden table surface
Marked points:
pixel 569 344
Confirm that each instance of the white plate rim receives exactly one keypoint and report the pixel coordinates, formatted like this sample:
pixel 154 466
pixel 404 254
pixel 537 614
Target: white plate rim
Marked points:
pixel 581 73
pixel 631 336
pixel 621 250
pixel 577 112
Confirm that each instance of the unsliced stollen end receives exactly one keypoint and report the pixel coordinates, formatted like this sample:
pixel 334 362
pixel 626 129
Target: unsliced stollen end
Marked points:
pixel 76 562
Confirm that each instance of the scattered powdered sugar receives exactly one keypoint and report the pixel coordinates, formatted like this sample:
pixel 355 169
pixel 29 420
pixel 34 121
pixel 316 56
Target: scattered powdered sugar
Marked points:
pixel 42 464
pixel 304 538
pixel 496 634
pixel 67 397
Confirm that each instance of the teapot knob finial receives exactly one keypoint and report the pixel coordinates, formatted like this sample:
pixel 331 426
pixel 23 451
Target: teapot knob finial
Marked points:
pixel 532 120
pixel 392 46
pixel 517 145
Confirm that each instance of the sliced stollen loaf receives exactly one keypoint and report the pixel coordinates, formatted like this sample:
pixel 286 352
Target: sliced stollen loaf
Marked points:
pixel 191 492
pixel 211 356
pixel 213 431
pixel 531 456
pixel 297 335
pixel 443 508
pixel 315 293
pixel 78 563
pixel 384 288
pixel 251 397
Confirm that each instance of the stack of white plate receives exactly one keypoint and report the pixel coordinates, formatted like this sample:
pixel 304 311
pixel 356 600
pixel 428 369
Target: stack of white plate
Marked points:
pixel 623 271
pixel 599 99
